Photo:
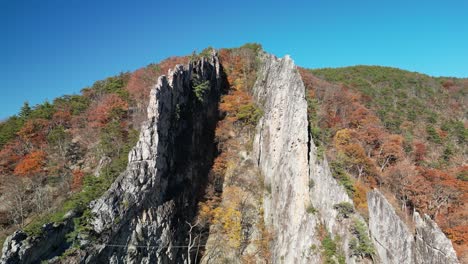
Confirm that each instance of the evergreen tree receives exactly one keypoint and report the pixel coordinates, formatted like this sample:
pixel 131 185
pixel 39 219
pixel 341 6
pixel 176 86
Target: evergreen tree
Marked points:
pixel 25 111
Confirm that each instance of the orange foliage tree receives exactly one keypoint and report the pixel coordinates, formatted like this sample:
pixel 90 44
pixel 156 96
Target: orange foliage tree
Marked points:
pixel 77 180
pixel 33 163
pixel 391 151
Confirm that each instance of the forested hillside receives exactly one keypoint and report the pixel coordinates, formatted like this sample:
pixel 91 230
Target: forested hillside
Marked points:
pixel 404 132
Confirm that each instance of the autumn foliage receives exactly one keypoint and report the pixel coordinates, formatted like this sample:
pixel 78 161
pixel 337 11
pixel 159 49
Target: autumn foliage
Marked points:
pixel 225 207
pixel 33 163
pixel 365 140
pixel 106 110
pixel 77 179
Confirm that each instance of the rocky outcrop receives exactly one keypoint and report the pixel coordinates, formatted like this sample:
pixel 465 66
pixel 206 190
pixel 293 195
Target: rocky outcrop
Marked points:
pixel 392 238
pixel 395 242
pixel 281 148
pixel 326 193
pixel 300 181
pixel 431 243
pixel 141 219
pixel 22 248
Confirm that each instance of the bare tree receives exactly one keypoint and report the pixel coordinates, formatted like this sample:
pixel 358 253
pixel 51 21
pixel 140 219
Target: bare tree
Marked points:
pixel 16 198
pixel 192 240
pixel 41 198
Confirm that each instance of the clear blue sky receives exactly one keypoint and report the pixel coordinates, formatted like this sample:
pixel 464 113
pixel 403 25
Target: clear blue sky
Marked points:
pixel 53 47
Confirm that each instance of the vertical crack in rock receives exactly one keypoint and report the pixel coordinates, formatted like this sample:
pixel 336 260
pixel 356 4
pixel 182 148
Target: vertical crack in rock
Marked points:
pixel 150 202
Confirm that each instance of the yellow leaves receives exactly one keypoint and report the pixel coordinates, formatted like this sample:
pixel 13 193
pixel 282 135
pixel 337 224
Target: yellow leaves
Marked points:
pixel 342 137
pixel 353 150
pixel 360 198
pixel 229 220
pixel 226 217
pixel 264 241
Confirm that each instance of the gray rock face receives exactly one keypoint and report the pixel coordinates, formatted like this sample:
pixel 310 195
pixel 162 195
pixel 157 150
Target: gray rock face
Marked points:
pixel 281 148
pixel 395 242
pixel 431 243
pixel 298 179
pixel 325 194
pixel 21 248
pixel 392 238
pixel 141 218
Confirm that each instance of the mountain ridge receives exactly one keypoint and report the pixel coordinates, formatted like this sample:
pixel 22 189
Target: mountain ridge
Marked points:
pixel 238 110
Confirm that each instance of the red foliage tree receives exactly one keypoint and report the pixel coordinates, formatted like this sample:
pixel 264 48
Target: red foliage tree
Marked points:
pixel 170 63
pixel 102 112
pixel 77 180
pixel 139 85
pixel 9 157
pixel 62 117
pixel 391 151
pixel 419 152
pixel 33 134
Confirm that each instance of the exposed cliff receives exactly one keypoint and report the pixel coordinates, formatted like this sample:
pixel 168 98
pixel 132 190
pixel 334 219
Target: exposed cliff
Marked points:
pixel 326 193
pixel 303 191
pixel 396 243
pixel 141 218
pixel 281 148
pixel 21 248
pixel 146 208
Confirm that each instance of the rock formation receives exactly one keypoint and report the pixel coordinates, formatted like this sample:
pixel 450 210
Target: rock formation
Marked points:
pixel 281 148
pixel 297 177
pixel 21 248
pixel 396 243
pixel 147 206
pixel 142 217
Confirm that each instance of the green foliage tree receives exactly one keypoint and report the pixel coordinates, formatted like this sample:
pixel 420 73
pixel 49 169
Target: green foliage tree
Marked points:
pixel 255 47
pixel 331 252
pixel 25 111
pixel 361 245
pixel 58 138
pixel 9 128
pixel 201 89
pixel 344 209
pixel 432 135
pixel 339 173
pixel 249 114
pixel 44 111
pixel 76 103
